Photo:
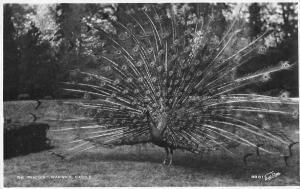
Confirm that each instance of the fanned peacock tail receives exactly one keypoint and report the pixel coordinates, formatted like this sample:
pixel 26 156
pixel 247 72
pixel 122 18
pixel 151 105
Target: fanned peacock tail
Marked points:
pixel 164 80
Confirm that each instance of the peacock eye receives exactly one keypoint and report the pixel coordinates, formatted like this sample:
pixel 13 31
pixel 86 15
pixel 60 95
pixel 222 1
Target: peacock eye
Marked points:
pixel 152 64
pixel 124 67
pixel 136 48
pixel 150 50
pixel 157 18
pixel 187 49
pixel 113 95
pixel 295 114
pixel 140 79
pixel 285 65
pixel 102 84
pixel 107 68
pixel 116 82
pixel 147 92
pixel 125 91
pixel 165 35
pixel 129 80
pixel 87 79
pixel 176 42
pixel 154 79
pixel 159 68
pixel 123 36
pixel 117 52
pixel 266 77
pixel 187 32
pixel 139 63
pixel 160 52
pixel 197 62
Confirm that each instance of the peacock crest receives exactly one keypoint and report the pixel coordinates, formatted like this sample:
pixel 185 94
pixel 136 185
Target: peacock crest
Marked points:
pixel 171 80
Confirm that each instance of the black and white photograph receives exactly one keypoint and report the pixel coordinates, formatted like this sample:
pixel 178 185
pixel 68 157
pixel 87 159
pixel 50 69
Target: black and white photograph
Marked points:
pixel 150 94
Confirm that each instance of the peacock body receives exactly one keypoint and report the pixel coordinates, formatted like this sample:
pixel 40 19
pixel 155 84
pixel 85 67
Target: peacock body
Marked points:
pixel 170 80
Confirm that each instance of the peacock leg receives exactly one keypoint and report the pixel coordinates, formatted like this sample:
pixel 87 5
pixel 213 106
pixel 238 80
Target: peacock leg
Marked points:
pixel 167 156
pixel 171 157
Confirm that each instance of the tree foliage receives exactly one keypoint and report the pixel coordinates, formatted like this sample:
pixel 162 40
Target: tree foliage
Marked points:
pixel 42 43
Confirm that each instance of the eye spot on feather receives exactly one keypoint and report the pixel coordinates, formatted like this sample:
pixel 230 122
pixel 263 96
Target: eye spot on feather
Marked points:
pixel 87 79
pixel 117 52
pixel 102 83
pixel 154 79
pixel 285 65
pixel 125 91
pixel 165 35
pixel 129 80
pixel 139 63
pixel 295 114
pixel 150 51
pixel 124 67
pixel 107 68
pixel 188 78
pixel 146 8
pixel 196 62
pixel 86 96
pixel 176 42
pixel 159 68
pixel 266 77
pixel 161 52
pixel 134 102
pixel 152 64
pixel 285 95
pixel 136 48
pixel 186 49
pixel 116 82
pixel 140 79
pixel 158 18
pixel 173 58
pixel 199 73
pixel 124 36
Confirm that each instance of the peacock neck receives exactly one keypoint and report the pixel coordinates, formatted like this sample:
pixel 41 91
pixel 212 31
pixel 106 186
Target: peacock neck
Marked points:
pixel 159 126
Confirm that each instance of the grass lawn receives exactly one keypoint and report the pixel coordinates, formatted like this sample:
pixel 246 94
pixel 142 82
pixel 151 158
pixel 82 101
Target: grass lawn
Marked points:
pixel 141 166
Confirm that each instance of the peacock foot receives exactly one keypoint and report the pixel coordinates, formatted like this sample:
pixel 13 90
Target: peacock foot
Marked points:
pixel 167 161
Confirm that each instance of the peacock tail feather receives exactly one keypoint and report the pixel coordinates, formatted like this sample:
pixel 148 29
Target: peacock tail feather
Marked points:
pixel 160 69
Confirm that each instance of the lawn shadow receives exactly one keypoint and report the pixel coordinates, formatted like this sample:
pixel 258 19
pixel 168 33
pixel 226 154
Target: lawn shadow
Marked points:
pixel 217 165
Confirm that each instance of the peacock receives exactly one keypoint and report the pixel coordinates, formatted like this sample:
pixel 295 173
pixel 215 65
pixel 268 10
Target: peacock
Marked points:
pixel 171 80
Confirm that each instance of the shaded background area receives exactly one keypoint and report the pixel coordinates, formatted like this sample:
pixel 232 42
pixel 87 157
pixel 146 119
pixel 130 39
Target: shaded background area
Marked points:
pixel 42 43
